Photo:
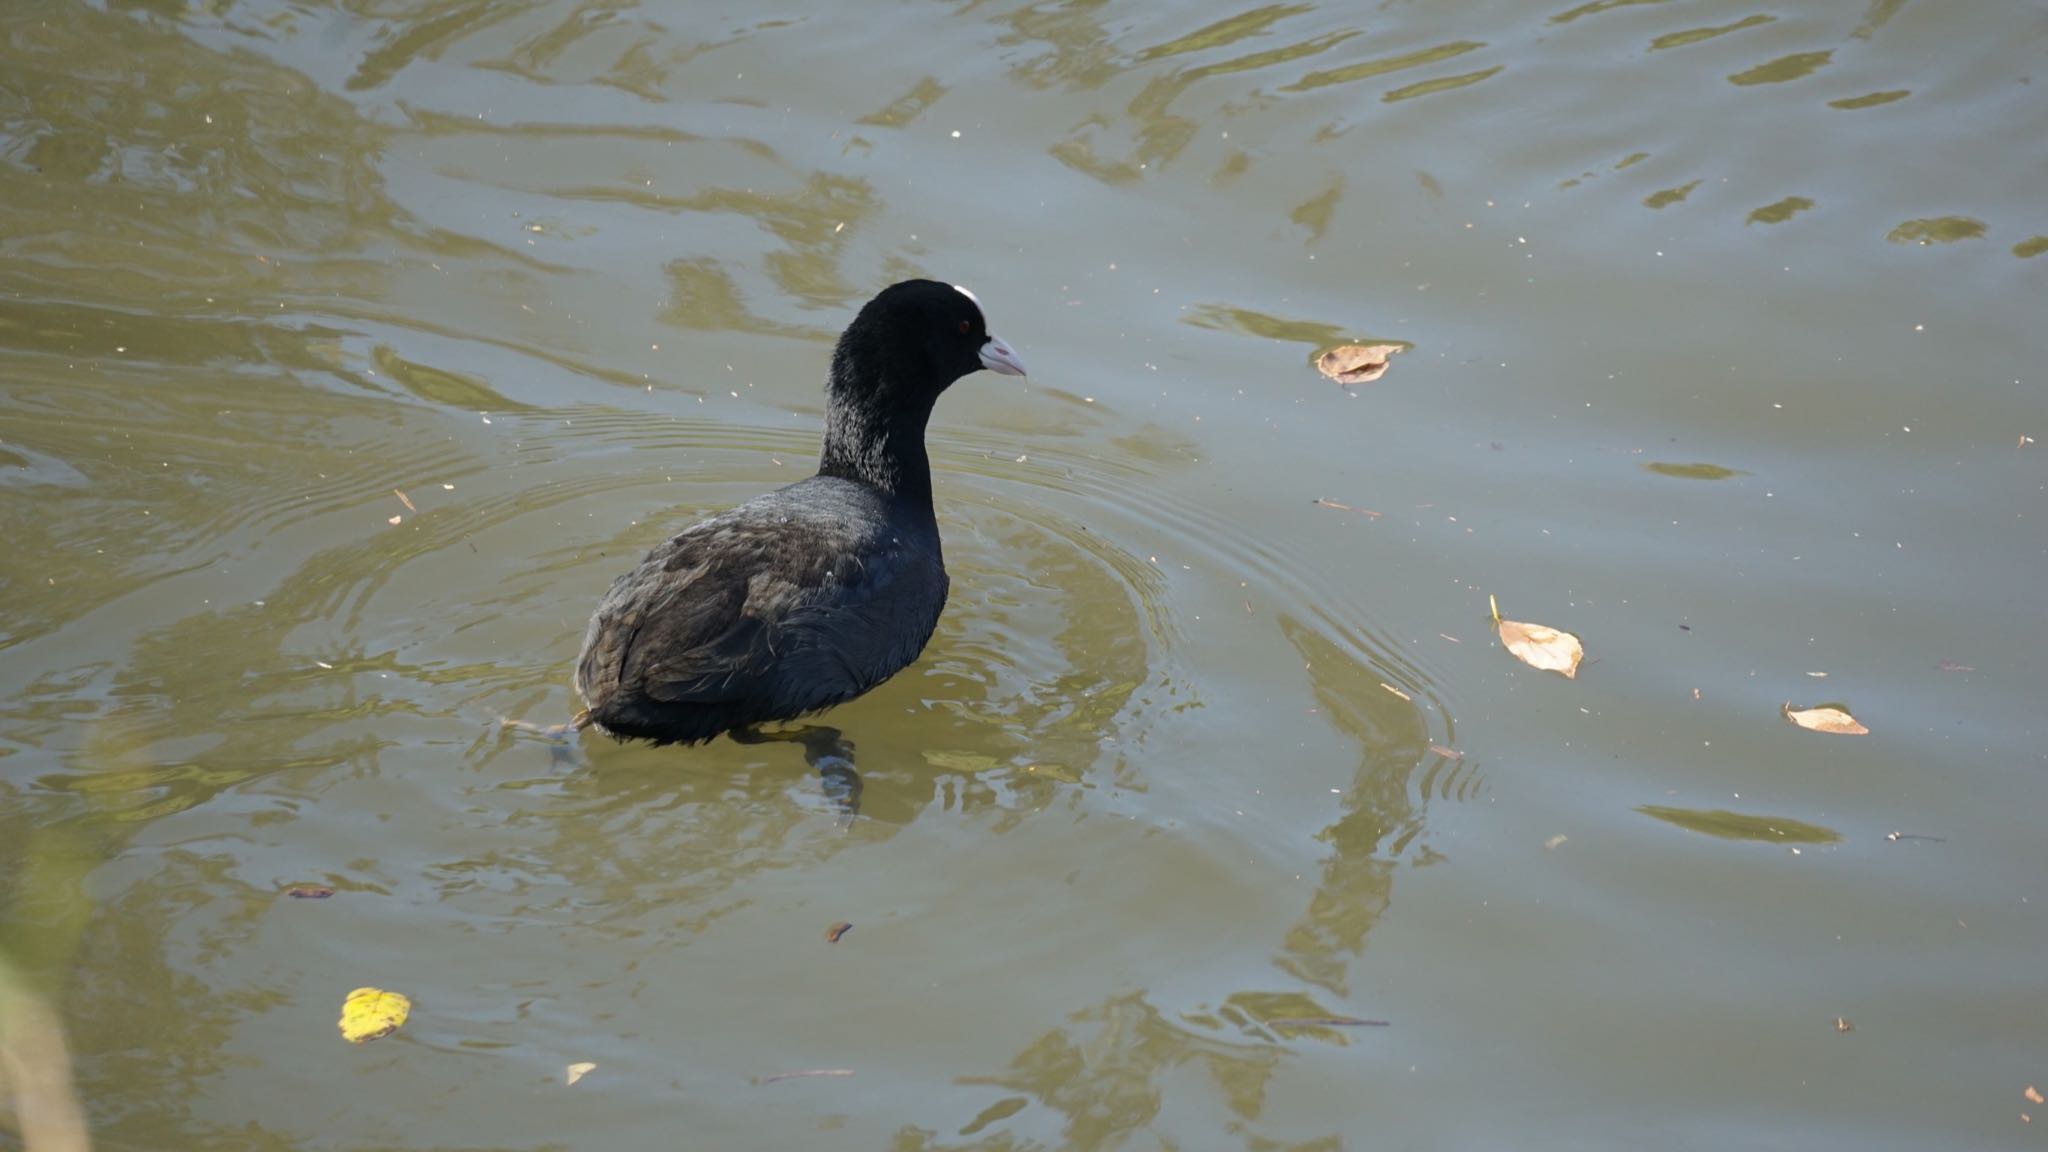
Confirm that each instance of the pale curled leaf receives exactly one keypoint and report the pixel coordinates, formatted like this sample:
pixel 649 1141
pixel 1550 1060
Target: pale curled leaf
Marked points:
pixel 1356 363
pixel 372 1012
pixel 1540 646
pixel 575 1072
pixel 1825 718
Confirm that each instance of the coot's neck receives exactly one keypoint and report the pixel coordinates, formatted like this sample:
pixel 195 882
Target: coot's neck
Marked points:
pixel 875 435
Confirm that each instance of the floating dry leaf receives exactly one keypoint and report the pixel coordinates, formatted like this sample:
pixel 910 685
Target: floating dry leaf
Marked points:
pixel 1447 753
pixel 2033 1095
pixel 405 500
pixel 1556 840
pixel 1356 363
pixel 1397 691
pixel 1842 1024
pixel 395 520
pixel 372 1012
pixel 1826 718
pixel 833 933
pixel 1539 646
pixel 575 1072
pixel 309 892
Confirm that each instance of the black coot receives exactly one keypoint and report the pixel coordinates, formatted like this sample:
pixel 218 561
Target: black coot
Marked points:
pixel 812 594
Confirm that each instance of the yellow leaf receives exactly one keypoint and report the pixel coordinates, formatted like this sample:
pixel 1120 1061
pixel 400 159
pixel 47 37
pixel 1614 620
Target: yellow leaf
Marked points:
pixel 372 1012
pixel 1356 363
pixel 575 1072
pixel 1825 718
pixel 1542 647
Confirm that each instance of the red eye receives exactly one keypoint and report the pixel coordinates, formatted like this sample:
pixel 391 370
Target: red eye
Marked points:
pixel 966 326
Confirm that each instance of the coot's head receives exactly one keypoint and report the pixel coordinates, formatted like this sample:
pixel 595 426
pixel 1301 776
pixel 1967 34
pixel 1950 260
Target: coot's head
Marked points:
pixel 912 341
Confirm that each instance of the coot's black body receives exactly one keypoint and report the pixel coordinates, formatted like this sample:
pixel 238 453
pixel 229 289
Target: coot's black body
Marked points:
pixel 811 594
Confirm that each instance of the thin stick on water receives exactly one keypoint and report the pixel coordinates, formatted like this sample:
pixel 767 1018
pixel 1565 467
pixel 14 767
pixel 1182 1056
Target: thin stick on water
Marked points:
pixel 808 1072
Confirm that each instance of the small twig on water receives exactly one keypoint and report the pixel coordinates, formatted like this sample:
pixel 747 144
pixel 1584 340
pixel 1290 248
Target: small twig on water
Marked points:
pixel 808 1072
pixel 1347 508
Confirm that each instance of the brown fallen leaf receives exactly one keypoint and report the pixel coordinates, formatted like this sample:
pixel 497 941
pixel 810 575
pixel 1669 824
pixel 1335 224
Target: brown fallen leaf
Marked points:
pixel 1447 753
pixel 1825 718
pixel 833 933
pixel 2034 1096
pixel 1356 363
pixel 309 892
pixel 1539 646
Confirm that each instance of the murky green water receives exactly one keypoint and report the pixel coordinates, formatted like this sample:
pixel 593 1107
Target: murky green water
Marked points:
pixel 1727 343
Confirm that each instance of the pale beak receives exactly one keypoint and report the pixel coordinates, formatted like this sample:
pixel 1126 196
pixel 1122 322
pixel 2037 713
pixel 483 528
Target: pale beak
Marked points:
pixel 999 357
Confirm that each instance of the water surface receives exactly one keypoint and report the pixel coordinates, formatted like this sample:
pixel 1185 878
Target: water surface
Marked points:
pixel 349 348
